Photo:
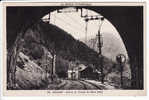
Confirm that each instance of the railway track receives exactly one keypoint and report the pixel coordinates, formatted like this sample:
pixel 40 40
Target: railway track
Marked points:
pixel 90 83
pixel 84 85
pixel 62 85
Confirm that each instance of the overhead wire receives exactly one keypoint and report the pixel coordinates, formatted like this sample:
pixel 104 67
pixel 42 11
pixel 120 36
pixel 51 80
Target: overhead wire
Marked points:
pixel 75 22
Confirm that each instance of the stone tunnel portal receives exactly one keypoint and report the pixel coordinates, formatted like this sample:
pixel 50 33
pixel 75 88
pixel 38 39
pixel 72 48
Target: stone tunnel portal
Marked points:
pixel 128 20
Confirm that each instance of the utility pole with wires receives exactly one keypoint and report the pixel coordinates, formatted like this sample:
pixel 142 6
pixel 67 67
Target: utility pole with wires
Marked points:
pixel 100 42
pixel 86 20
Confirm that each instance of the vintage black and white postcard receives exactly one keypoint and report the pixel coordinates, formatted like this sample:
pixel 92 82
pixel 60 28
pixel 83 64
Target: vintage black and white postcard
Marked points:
pixel 74 48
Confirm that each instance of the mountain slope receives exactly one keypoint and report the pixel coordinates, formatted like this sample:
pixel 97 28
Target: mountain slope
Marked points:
pixel 112 46
pixel 44 39
pixel 62 43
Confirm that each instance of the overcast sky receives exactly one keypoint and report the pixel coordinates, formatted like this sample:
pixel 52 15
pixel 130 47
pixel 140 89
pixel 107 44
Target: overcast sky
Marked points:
pixel 74 24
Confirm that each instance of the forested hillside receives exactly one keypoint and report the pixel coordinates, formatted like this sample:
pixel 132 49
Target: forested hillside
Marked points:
pixel 41 41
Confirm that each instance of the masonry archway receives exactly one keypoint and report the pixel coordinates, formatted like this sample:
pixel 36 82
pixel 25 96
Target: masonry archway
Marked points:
pixel 127 20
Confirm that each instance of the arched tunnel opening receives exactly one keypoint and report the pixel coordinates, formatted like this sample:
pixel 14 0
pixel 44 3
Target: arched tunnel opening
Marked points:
pixel 27 17
pixel 73 21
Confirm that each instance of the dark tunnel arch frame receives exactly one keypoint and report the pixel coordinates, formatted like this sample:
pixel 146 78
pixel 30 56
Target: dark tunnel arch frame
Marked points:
pixel 132 48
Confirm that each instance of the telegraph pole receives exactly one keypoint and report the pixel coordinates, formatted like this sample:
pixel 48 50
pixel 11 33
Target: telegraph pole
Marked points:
pixel 86 30
pixel 100 44
pixel 53 62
